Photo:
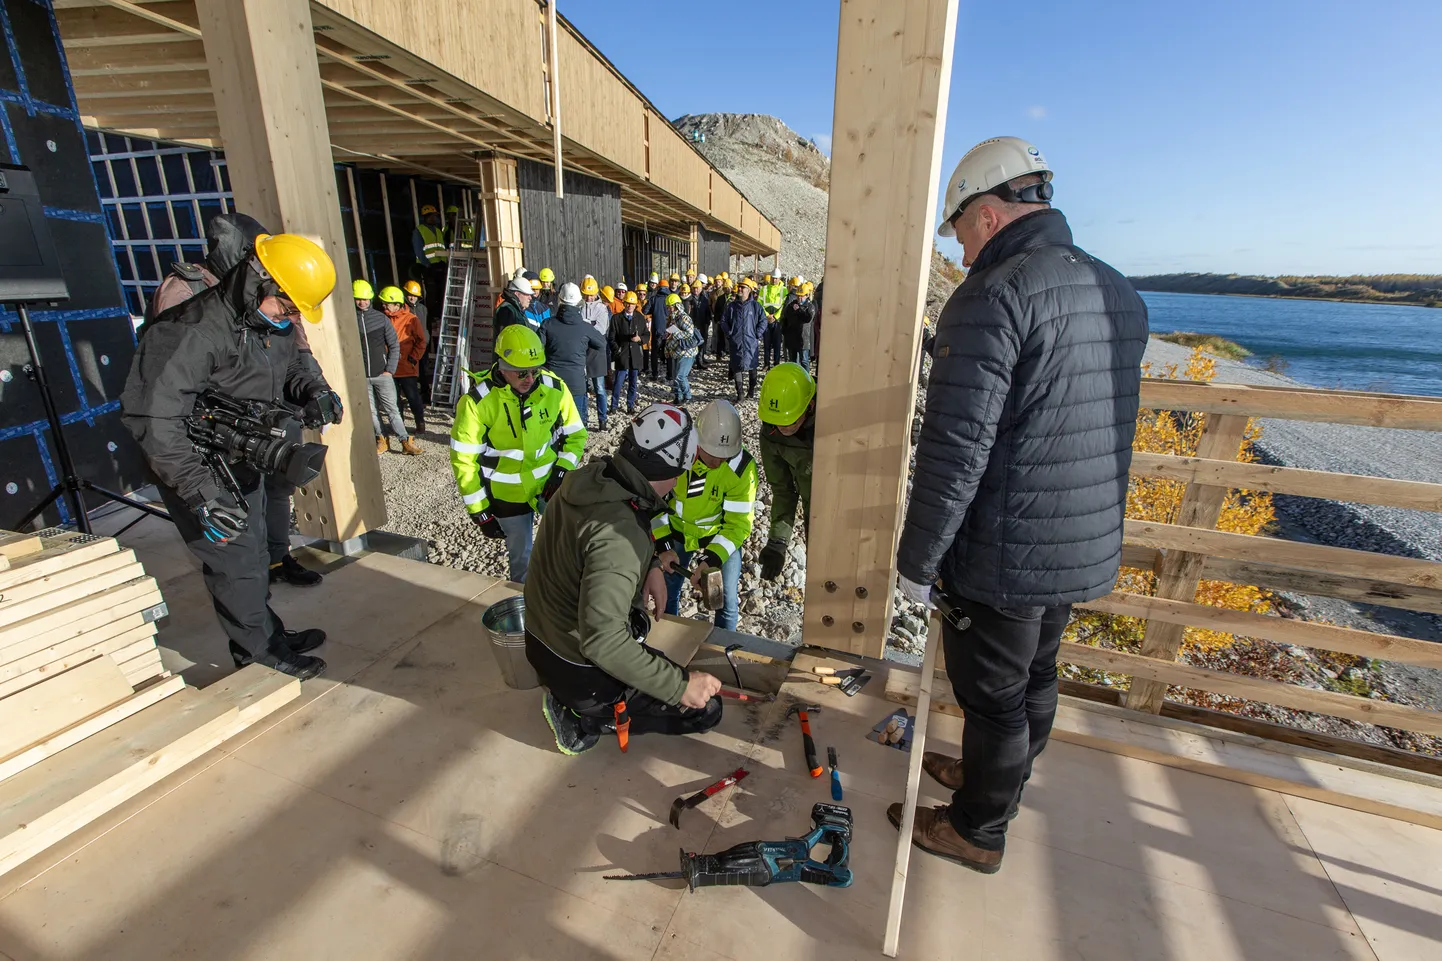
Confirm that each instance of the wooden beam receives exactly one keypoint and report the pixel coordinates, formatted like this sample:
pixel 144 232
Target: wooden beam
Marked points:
pixel 1180 571
pixel 1361 709
pixel 112 61
pixel 893 73
pixel 38 712
pixel 268 97
pixel 1352 488
pixel 1360 590
pixel 1321 558
pixel 1286 630
pixel 1289 403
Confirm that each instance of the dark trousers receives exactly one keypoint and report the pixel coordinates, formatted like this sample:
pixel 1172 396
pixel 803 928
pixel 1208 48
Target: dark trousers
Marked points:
pixel 236 573
pixel 744 376
pixel 1003 671
pixel 704 330
pixel 277 517
pixel 771 345
pixel 593 695
pixel 410 390
pixel 624 377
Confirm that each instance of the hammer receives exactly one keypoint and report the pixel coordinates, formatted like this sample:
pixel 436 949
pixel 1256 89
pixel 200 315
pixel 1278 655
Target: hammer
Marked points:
pixel 804 710
pixel 713 588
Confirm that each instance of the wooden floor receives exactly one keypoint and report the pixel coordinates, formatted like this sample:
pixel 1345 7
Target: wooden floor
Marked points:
pixel 409 806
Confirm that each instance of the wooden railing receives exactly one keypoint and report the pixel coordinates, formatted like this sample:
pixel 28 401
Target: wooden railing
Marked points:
pixel 1191 550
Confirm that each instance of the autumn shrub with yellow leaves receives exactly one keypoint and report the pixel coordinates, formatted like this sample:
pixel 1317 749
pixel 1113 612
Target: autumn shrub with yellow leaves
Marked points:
pixel 1154 499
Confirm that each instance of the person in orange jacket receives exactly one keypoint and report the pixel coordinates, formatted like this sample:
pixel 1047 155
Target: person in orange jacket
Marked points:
pixel 412 336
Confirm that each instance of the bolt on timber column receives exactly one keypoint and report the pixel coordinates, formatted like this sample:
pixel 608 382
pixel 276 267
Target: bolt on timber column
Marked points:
pixel 892 72
pixel 266 83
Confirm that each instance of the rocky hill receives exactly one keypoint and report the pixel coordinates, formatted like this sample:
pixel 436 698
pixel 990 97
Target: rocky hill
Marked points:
pixel 787 177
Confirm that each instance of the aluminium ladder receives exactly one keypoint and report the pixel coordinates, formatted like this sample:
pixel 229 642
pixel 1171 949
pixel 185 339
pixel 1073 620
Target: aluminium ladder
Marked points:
pixel 464 286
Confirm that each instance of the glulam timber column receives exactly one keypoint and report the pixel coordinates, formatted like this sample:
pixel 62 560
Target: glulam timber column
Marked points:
pixel 263 72
pixel 893 68
pixel 501 212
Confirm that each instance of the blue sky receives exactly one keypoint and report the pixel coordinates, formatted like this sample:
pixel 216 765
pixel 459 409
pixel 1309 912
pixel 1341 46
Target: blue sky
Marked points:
pixel 1272 136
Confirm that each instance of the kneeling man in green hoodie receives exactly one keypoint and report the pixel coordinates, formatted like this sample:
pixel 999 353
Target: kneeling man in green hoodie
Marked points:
pixel 592 569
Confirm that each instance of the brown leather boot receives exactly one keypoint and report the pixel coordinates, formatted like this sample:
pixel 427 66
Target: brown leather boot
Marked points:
pixel 932 831
pixel 409 446
pixel 383 446
pixel 944 770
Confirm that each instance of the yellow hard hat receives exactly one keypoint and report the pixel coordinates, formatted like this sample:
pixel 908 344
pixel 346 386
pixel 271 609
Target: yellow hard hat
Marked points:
pixel 685 288
pixel 536 285
pixel 518 348
pixel 608 292
pixel 631 298
pixel 808 288
pixel 429 209
pixel 301 269
pixel 362 290
pixel 672 300
pixel 547 275
pixel 748 282
pixel 786 394
pixel 589 287
pixel 414 289
pixel 391 295
pixel 690 271
pixel 768 278
pixel 795 281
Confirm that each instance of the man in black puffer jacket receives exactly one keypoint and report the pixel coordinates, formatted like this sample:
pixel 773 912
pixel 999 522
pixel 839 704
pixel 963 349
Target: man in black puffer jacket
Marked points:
pixel 1020 485
pixel 568 340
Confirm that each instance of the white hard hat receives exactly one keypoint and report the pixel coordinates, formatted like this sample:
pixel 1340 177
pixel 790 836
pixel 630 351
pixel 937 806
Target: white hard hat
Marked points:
pixel 655 277
pixel 702 279
pixel 720 428
pixel 661 442
pixel 520 285
pixel 985 167
pixel 518 273
pixel 570 294
pixel 621 288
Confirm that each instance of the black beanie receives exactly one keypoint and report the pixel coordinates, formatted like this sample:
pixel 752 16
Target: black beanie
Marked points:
pixel 651 465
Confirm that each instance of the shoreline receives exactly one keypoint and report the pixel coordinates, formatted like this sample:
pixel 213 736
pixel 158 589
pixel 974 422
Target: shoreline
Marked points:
pixel 1329 300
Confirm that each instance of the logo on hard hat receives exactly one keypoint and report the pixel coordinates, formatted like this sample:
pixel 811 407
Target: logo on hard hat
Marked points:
pixel 1033 151
pixel 962 185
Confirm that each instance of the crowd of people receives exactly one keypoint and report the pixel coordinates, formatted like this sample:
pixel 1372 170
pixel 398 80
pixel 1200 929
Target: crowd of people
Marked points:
pixel 1015 510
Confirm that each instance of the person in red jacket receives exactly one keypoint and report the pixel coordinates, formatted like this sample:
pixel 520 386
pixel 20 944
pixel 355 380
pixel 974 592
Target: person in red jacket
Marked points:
pixel 412 336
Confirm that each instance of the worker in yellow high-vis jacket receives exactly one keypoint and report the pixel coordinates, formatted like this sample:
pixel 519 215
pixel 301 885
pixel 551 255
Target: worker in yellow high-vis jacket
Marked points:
pixel 709 514
pixel 516 434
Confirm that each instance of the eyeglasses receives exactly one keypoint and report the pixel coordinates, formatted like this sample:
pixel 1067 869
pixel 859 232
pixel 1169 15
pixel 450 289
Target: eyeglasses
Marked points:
pixel 528 374
pixel 288 309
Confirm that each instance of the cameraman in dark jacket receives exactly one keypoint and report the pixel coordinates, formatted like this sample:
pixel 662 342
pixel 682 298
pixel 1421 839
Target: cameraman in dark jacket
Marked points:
pixel 235 338
pixel 1019 492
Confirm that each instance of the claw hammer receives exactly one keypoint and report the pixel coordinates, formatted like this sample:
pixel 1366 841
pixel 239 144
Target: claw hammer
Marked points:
pixel 813 764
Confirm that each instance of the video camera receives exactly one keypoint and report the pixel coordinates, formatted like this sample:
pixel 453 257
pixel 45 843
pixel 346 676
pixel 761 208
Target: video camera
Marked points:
pixel 250 433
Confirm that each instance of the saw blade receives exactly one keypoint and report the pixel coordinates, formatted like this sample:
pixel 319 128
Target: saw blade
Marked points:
pixel 653 876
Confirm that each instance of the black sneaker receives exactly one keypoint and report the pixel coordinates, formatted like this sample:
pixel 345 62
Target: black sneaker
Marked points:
pixel 239 655
pixel 566 726
pixel 301 641
pixel 290 570
pixel 301 666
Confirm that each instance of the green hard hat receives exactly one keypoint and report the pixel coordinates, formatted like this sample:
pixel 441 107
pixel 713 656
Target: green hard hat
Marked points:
pixel 518 348
pixel 672 300
pixel 786 393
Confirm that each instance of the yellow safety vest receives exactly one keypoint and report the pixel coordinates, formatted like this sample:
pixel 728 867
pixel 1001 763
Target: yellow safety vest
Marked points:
pixel 433 242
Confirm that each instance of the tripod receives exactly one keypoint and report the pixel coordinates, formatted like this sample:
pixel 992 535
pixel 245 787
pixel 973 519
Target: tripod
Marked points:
pixel 71 483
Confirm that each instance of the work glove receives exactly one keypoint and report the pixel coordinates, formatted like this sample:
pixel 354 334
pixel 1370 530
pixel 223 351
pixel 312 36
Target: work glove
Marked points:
pixel 553 484
pixel 489 525
pixel 221 518
pixel 773 559
pixel 920 593
pixel 323 408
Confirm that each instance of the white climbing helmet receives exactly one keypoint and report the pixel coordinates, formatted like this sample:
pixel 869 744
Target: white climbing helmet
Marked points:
pixel 719 427
pixel 661 442
pixel 985 167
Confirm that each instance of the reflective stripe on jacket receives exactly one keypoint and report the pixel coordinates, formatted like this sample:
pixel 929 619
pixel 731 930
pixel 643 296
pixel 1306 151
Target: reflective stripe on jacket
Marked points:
pixel 503 447
pixel 433 243
pixel 712 508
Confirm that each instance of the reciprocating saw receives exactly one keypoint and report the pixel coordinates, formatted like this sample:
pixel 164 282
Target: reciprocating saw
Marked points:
pixel 756 864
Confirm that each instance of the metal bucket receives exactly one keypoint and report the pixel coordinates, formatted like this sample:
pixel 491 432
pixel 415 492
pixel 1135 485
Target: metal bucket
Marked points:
pixel 505 624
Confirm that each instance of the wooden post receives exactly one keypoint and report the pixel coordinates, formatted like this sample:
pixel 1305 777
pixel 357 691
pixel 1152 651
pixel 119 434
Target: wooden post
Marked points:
pixel 553 72
pixel 696 247
pixel 355 215
pixel 893 70
pixel 1181 571
pixel 396 277
pixel 266 83
pixel 501 210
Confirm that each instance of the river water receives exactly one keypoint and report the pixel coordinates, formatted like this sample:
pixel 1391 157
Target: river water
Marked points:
pixel 1377 347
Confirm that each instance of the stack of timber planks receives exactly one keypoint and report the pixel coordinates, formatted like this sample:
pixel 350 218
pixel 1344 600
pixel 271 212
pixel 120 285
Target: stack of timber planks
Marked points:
pixel 88 715
pixel 67 597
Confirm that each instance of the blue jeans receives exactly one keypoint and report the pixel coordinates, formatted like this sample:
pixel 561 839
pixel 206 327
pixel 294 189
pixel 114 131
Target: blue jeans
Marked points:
pixel 519 532
pixel 623 377
pixel 384 402
pixel 802 357
pixel 682 384
pixel 730 579
pixel 598 384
